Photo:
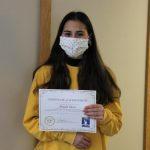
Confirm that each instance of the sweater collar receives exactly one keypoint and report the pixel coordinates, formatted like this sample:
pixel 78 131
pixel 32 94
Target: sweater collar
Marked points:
pixel 72 61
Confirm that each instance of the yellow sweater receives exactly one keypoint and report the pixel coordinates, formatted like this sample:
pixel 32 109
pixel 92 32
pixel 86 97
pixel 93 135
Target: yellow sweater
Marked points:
pixel 109 126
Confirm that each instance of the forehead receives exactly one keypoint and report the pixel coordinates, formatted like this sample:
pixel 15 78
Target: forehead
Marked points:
pixel 73 25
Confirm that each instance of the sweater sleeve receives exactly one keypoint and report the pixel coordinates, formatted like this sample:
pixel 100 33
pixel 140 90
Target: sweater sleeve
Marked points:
pixel 31 116
pixel 112 121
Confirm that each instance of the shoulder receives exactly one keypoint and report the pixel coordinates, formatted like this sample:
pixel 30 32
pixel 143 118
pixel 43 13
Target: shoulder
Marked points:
pixel 43 69
pixel 43 74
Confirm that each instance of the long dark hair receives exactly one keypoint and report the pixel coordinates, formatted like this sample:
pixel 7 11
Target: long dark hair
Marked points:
pixel 93 74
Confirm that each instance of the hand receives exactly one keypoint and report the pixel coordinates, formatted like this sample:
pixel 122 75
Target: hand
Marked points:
pixel 81 141
pixel 94 111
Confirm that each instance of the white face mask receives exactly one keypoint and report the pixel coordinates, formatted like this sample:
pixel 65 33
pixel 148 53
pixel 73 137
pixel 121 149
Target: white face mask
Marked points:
pixel 74 47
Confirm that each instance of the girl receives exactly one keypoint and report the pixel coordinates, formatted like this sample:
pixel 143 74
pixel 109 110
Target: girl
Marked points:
pixel 74 63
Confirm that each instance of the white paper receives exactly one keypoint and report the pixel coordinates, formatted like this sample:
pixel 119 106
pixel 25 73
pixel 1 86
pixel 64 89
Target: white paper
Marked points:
pixel 62 110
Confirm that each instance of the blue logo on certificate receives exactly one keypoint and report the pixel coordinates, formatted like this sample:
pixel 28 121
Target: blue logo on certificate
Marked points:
pixel 85 122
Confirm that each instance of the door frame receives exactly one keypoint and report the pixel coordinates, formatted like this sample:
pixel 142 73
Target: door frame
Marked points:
pixel 146 145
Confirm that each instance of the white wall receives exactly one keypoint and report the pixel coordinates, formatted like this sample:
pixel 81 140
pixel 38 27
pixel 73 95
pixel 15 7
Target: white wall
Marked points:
pixel 120 27
pixel 19 27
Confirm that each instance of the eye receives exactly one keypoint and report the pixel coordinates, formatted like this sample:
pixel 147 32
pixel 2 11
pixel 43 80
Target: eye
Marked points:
pixel 80 34
pixel 67 34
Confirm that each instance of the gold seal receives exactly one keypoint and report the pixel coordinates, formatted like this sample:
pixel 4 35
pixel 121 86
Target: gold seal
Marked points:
pixel 49 120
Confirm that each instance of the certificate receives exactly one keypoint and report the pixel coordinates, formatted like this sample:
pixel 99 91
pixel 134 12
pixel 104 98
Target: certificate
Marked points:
pixel 62 110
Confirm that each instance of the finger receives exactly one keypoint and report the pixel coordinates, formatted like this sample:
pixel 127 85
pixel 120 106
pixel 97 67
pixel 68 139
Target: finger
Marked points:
pixel 84 144
pixel 93 113
pixel 92 106
pixel 87 143
pixel 93 110
pixel 86 139
pixel 97 117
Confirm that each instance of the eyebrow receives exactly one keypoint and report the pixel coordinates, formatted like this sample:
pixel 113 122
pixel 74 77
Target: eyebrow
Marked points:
pixel 70 31
pixel 66 31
